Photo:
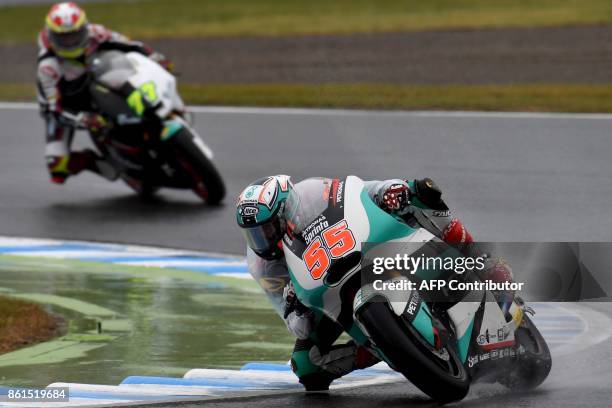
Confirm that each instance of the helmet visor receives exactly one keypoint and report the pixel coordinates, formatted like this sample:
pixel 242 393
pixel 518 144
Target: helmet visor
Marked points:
pixel 69 41
pixel 263 239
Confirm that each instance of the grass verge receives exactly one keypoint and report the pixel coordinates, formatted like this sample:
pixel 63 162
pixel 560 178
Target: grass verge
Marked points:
pixel 23 323
pixel 198 18
pixel 547 98
pixel 528 98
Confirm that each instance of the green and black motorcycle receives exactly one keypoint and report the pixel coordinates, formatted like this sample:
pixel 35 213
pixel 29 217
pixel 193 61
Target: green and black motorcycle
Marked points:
pixel 441 347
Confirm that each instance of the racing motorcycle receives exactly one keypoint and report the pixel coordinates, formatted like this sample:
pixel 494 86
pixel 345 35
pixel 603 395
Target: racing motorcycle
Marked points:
pixel 441 347
pixel 148 140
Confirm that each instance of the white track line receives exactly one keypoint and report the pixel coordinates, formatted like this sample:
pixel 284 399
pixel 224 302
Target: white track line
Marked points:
pixel 360 112
pixel 598 328
pixel 134 249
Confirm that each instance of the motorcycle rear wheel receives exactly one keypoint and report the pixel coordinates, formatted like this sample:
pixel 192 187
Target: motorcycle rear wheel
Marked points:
pixel 405 349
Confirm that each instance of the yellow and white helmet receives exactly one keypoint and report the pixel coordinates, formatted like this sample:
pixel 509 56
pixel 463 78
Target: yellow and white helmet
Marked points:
pixel 67 30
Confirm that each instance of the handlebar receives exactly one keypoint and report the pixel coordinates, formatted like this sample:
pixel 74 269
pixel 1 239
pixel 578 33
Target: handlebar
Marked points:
pixel 75 120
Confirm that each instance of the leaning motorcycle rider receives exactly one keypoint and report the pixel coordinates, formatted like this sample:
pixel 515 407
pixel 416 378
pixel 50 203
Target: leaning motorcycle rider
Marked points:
pixel 260 214
pixel 67 45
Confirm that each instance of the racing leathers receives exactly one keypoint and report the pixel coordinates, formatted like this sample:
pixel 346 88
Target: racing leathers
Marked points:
pixel 315 359
pixel 65 104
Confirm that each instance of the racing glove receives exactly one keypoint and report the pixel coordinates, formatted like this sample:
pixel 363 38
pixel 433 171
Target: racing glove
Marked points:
pixel 93 121
pixel 396 199
pixel 298 318
pixel 292 303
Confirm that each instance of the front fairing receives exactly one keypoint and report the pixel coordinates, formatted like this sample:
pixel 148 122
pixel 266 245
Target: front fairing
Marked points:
pixel 326 253
pixel 144 84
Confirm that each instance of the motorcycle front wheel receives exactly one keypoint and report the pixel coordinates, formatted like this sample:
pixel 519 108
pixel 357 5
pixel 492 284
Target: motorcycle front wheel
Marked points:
pixel 206 181
pixel 438 373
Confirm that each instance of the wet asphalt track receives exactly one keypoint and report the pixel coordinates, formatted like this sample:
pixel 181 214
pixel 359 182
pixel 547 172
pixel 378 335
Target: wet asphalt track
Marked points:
pixel 510 177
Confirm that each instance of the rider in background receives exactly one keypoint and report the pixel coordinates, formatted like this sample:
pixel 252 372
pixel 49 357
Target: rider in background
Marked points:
pixel 66 46
pixel 260 214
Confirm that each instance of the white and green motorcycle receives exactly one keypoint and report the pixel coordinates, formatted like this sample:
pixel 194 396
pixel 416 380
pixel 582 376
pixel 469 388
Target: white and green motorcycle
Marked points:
pixel 147 138
pixel 441 347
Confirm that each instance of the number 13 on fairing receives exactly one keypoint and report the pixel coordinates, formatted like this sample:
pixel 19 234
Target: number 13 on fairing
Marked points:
pixel 336 242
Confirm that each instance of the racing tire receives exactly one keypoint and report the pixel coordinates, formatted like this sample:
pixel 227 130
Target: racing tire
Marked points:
pixel 206 181
pixel 148 192
pixel 533 366
pixel 407 352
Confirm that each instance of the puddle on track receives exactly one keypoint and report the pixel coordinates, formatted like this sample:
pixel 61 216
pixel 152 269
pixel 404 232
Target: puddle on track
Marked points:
pixel 162 325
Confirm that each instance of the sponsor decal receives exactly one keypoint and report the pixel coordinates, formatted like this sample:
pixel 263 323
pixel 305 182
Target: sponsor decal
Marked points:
pixel 444 213
pixel 497 354
pixel 339 192
pixel 334 242
pixel 288 239
pixel 413 303
pixel 248 211
pixel 249 196
pixel 315 228
pixel 250 193
pixel 488 340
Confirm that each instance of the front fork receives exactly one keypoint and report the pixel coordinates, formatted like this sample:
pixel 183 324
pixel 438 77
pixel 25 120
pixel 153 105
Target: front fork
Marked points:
pixel 174 125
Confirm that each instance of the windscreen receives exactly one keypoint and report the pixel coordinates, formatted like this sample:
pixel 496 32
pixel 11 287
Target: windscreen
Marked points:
pixel 112 69
pixel 308 199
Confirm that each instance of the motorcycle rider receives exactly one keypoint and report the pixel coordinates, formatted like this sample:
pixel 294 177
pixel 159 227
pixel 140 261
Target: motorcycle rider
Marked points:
pixel 260 214
pixel 67 44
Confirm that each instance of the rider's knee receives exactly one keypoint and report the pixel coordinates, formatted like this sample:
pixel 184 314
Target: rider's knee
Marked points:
pixel 310 375
pixel 317 381
pixel 301 363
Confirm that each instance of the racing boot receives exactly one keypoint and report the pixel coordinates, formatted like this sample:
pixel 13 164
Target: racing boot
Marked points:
pixel 88 160
pixel 62 167
pixel 323 367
